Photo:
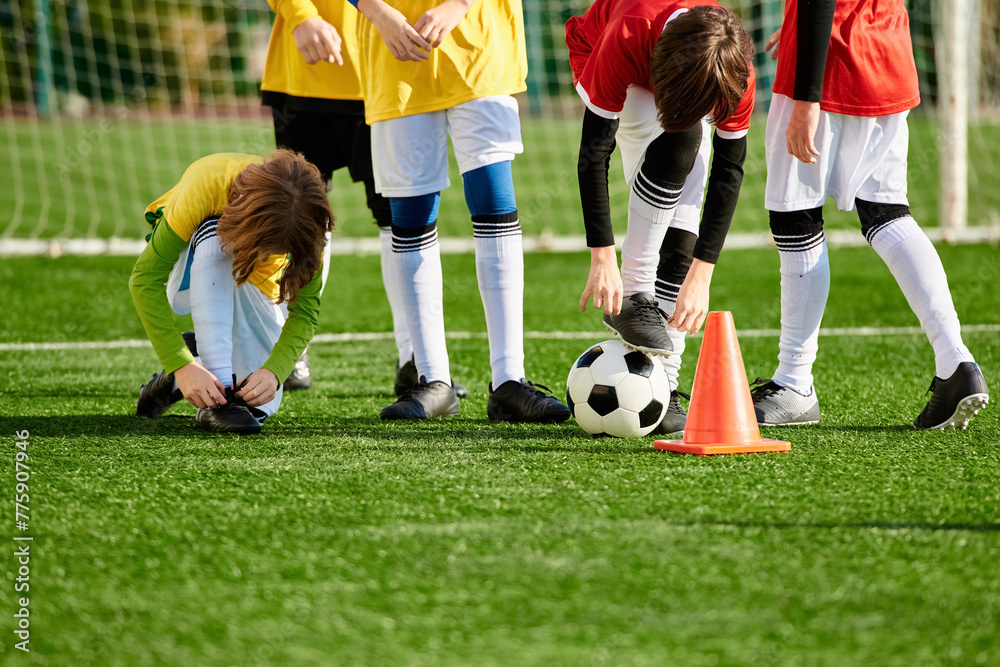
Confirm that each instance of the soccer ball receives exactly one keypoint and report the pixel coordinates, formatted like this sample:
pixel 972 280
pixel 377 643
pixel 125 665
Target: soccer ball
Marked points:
pixel 612 390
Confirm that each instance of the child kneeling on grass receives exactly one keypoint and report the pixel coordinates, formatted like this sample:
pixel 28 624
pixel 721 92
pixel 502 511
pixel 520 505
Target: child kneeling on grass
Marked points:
pixel 239 244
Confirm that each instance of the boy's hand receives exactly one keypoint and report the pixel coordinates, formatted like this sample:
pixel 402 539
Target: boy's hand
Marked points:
pixel 772 41
pixel 200 386
pixel 692 299
pixel 801 131
pixel 604 282
pixel 438 21
pixel 318 41
pixel 259 387
pixel 403 41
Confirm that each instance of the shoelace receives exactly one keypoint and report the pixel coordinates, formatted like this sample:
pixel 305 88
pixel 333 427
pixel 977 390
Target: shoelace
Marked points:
pixel 761 384
pixel 930 389
pixel 233 388
pixel 412 390
pixel 680 393
pixel 650 312
pixel 537 388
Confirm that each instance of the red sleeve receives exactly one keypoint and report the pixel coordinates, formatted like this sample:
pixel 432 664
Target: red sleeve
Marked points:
pixel 619 59
pixel 740 121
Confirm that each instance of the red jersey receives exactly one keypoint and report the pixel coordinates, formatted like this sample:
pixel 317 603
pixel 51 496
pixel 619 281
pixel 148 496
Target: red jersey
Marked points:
pixel 869 68
pixel 611 48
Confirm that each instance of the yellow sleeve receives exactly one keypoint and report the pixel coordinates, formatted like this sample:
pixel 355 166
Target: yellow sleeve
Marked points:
pixel 294 11
pixel 193 199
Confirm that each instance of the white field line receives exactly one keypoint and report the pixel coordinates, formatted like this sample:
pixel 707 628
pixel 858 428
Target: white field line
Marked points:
pixel 11 247
pixel 834 332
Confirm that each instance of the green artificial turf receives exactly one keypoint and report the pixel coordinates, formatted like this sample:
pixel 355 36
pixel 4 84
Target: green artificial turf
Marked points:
pixel 336 539
pixel 94 178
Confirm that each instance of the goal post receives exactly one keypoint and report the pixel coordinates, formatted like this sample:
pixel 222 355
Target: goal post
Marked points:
pixel 953 59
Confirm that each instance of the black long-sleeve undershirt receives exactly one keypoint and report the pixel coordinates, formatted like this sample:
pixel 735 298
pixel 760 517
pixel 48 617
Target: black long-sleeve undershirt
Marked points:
pixel 721 195
pixel 596 146
pixel 814 25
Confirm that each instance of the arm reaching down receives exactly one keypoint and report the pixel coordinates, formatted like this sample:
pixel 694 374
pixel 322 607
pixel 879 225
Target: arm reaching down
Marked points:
pixel 604 282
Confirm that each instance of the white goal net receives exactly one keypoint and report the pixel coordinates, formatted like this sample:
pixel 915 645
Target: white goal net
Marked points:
pixel 104 103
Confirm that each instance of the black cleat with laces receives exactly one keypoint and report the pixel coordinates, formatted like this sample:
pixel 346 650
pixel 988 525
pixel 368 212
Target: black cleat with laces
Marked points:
pixel 675 418
pixel 955 400
pixel 524 402
pixel 406 379
pixel 233 417
pixel 425 400
pixel 641 325
pixel 157 395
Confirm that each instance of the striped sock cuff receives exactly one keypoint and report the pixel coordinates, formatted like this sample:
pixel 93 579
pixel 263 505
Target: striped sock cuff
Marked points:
pixel 798 242
pixel 656 192
pixel 880 222
pixel 206 230
pixel 495 226
pixel 414 239
pixel 666 290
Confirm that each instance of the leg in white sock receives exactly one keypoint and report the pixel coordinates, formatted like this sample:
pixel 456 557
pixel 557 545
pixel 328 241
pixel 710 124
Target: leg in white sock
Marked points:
pixel 805 286
pixel 651 206
pixel 393 291
pixel 655 192
pixel 417 259
pixel 917 268
pixel 500 271
pixel 675 260
pixel 213 302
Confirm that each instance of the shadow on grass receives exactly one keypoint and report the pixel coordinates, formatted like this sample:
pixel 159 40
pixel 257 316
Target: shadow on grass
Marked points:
pixel 99 426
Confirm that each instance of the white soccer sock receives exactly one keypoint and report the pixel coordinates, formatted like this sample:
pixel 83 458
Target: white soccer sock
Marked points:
pixel 666 295
pixel 917 268
pixel 393 291
pixel 417 258
pixel 500 271
pixel 651 207
pixel 805 286
pixel 213 296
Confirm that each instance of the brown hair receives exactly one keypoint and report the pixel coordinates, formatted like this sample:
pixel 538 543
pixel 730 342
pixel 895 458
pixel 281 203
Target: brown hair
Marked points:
pixel 277 207
pixel 700 67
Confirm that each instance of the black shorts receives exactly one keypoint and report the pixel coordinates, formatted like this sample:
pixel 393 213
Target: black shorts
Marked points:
pixel 331 134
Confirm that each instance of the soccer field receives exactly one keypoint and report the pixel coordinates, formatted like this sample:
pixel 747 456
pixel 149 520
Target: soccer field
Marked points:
pixel 335 538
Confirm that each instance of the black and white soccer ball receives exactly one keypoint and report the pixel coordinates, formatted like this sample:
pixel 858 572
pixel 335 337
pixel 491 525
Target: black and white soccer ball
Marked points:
pixel 612 390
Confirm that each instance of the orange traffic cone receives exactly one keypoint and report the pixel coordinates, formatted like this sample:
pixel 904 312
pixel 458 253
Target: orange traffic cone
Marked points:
pixel 721 419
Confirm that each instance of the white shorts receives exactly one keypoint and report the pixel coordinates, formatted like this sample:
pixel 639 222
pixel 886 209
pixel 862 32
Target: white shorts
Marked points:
pixel 638 127
pixel 863 157
pixel 410 154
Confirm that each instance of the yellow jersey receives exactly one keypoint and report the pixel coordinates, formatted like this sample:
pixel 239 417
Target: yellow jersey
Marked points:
pixel 286 71
pixel 202 192
pixel 484 55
